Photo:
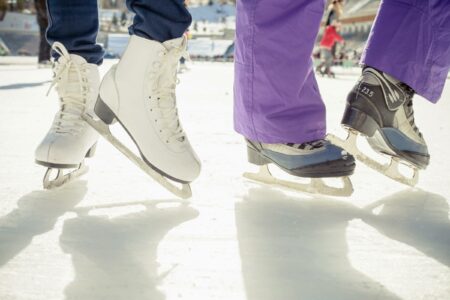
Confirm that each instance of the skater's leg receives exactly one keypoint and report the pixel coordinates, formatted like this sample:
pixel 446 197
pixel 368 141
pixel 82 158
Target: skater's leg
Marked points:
pixel 328 55
pixel 276 95
pixel 159 20
pixel 75 24
pixel 410 41
pixel 72 31
pixel 278 107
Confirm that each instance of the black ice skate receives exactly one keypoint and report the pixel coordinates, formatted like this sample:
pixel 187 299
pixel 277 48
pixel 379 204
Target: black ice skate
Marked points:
pixel 316 160
pixel 380 108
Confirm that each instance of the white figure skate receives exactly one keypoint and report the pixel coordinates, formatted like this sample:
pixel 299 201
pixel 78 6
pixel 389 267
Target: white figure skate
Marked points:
pixel 70 139
pixel 139 92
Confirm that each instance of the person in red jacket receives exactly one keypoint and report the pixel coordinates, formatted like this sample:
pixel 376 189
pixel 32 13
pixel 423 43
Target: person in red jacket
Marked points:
pixel 330 37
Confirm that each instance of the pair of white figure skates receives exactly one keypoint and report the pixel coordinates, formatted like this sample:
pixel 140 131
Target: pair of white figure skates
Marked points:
pixel 139 93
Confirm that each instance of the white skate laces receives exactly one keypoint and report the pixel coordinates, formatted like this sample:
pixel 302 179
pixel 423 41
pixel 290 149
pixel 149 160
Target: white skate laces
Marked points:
pixel 70 79
pixel 162 95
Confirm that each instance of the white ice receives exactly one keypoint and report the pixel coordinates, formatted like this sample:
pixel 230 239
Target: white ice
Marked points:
pixel 115 234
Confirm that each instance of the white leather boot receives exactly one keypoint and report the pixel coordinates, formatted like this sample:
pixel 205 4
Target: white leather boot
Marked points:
pixel 70 139
pixel 140 93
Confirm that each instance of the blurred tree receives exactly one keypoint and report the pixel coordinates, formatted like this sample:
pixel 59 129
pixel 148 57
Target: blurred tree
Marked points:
pixel 123 18
pixel 20 5
pixel 115 20
pixel 112 4
pixel 3 5
pixel 3 8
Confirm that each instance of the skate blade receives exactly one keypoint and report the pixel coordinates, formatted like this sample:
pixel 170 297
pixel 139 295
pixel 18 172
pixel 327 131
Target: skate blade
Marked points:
pixel 316 186
pixel 390 169
pixel 62 179
pixel 184 192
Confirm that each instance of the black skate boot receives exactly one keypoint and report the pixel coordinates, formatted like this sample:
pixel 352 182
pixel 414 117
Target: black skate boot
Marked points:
pixel 380 108
pixel 315 160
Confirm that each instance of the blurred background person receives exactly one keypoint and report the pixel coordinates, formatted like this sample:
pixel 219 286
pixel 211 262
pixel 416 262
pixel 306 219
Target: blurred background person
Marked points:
pixel 328 42
pixel 335 11
pixel 42 19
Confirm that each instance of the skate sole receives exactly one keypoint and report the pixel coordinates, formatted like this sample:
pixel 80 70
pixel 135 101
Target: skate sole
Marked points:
pixel 108 117
pixel 329 169
pixel 365 125
pixel 90 153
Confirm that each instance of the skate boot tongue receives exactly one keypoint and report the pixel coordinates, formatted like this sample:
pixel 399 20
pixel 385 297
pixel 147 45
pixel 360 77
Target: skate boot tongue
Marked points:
pixel 76 59
pixel 169 114
pixel 175 43
pixel 73 86
pixel 166 86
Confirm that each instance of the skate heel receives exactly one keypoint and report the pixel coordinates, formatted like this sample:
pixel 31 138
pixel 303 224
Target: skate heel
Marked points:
pixel 104 112
pixel 355 119
pixel 255 158
pixel 91 151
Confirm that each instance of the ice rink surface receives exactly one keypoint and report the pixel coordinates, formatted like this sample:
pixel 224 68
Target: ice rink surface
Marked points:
pixel 116 234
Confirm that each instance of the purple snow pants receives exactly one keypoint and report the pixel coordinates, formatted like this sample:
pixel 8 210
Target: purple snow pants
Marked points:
pixel 277 99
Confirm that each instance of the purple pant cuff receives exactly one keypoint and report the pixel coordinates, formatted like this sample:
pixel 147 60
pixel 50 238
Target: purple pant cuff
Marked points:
pixel 410 43
pixel 288 137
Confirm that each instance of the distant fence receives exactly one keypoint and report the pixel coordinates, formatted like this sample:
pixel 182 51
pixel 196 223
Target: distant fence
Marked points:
pixel 199 49
pixel 20 34
pixel 209 49
pixel 21 43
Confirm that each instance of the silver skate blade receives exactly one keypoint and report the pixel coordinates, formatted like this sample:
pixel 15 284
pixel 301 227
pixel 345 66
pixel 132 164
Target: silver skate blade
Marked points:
pixel 316 186
pixel 183 192
pixel 390 170
pixel 62 179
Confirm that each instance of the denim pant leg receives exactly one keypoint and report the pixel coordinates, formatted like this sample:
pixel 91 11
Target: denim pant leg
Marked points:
pixel 75 24
pixel 159 20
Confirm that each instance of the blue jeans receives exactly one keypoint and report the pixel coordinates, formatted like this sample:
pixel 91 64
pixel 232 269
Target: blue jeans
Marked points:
pixel 75 23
